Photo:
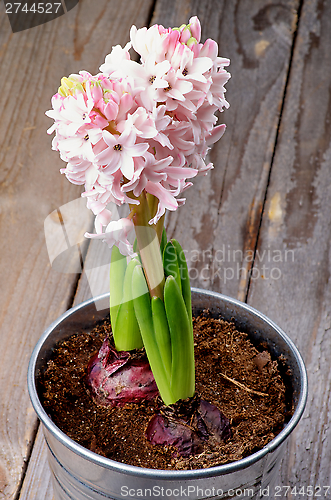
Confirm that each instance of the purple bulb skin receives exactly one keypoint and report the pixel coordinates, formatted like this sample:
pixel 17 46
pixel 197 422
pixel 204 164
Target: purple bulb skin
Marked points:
pixel 115 378
pixel 187 435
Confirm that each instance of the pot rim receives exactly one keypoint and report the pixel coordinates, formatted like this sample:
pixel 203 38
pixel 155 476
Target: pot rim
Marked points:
pixel 157 473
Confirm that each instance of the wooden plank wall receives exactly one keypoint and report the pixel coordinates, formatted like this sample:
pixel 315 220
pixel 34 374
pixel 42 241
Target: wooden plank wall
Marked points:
pixel 269 191
pixel 296 223
pixel 32 294
pixel 222 214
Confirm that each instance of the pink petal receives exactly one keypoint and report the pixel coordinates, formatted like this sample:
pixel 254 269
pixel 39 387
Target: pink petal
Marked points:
pixel 216 134
pixel 137 149
pixel 162 194
pixel 195 28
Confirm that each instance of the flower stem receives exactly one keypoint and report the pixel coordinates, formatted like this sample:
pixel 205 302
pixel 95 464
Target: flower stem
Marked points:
pixel 153 203
pixel 149 247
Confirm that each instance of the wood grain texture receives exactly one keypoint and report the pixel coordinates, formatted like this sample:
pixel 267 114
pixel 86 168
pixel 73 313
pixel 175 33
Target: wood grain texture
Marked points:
pixel 296 227
pixel 94 281
pixel 38 482
pixel 219 223
pixel 33 294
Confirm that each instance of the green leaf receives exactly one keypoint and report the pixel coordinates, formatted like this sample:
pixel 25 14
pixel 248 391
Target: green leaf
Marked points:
pixel 162 334
pixel 135 245
pixel 182 344
pixel 136 250
pixel 143 311
pixel 184 276
pixel 117 272
pixel 170 263
pixel 127 332
pixel 164 241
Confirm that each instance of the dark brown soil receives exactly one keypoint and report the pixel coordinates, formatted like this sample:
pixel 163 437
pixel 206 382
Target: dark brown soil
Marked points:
pixel 240 379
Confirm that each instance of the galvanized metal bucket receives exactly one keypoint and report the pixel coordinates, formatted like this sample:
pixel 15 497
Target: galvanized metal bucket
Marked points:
pixel 80 474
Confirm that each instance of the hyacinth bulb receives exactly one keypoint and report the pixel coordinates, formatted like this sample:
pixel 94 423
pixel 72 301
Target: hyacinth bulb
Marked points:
pixel 116 378
pixel 187 430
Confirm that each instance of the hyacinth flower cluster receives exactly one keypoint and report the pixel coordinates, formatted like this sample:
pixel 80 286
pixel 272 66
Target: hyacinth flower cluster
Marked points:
pixel 136 134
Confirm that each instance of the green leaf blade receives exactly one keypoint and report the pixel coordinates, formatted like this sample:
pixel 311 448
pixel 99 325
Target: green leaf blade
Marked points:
pixel 117 272
pixel 143 311
pixel 184 277
pixel 170 263
pixel 162 334
pixel 181 332
pixel 127 332
pixel 164 241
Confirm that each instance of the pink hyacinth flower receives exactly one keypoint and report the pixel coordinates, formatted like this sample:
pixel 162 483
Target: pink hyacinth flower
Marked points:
pixel 116 233
pixel 119 153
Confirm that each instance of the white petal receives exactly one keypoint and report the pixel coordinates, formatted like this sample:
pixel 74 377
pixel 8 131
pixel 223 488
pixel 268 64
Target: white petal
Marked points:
pixel 137 149
pixel 127 165
pixel 201 65
pixel 109 138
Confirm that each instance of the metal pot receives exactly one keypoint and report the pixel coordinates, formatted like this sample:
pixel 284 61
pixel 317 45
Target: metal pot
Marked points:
pixel 80 474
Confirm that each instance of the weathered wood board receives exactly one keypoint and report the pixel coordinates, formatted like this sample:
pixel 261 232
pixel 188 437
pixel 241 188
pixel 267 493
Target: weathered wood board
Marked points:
pixel 219 223
pixel 199 223
pixel 295 242
pixel 33 294
pixel 37 483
